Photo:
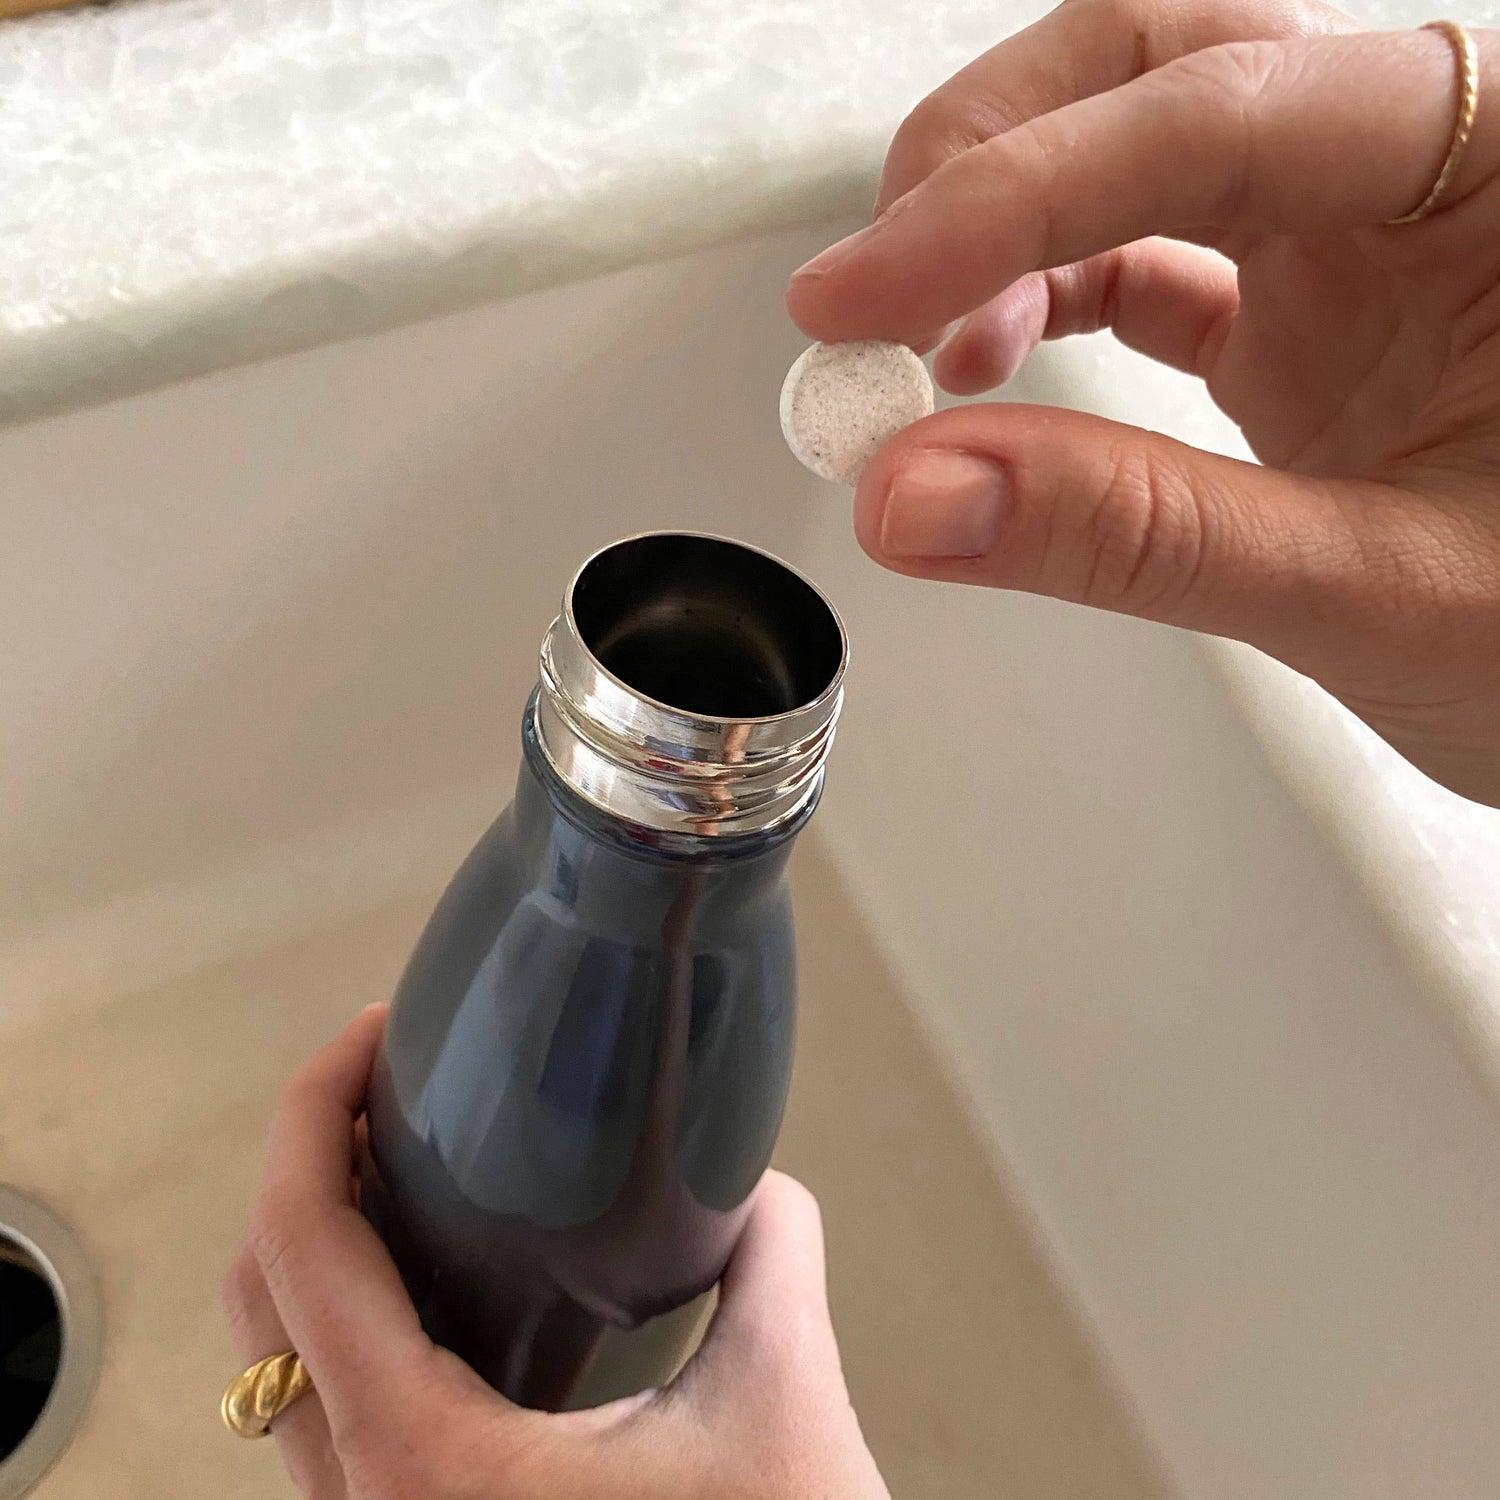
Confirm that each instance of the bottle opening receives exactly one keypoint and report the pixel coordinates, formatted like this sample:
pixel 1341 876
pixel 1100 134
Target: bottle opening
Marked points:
pixel 708 627
pixel 691 685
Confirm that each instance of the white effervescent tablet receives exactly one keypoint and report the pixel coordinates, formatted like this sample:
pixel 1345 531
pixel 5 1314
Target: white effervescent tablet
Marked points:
pixel 841 403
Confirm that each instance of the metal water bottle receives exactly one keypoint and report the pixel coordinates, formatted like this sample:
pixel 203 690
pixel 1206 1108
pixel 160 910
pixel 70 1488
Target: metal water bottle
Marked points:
pixel 588 1055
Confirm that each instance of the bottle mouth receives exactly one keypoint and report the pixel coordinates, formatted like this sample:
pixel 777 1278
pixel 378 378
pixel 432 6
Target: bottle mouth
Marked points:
pixel 691 684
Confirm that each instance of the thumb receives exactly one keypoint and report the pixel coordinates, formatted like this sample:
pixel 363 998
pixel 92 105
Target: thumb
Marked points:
pixel 772 1329
pixel 1061 503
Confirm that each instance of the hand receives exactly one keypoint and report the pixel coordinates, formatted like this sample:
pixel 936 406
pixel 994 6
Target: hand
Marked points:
pixel 759 1412
pixel 1068 181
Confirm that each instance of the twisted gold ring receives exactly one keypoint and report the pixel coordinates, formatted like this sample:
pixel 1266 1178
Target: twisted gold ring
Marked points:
pixel 257 1396
pixel 1466 65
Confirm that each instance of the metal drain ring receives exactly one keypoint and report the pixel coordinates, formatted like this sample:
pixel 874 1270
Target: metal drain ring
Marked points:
pixel 58 1258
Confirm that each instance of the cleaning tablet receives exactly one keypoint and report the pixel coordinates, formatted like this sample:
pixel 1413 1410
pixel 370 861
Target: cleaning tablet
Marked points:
pixel 842 402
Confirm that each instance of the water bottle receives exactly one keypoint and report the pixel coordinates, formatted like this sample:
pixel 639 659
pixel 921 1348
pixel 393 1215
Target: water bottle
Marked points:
pixel 588 1055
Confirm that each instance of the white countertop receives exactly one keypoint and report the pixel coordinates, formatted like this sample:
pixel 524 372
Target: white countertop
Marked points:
pixel 192 184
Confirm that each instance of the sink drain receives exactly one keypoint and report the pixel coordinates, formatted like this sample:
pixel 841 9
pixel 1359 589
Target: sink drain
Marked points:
pixel 49 1341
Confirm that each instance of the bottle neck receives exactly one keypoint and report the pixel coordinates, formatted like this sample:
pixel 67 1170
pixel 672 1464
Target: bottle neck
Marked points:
pixel 624 880
pixel 691 686
pixel 548 795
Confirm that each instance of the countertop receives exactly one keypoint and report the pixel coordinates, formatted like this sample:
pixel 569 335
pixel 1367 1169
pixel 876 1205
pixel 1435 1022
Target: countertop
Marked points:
pixel 194 183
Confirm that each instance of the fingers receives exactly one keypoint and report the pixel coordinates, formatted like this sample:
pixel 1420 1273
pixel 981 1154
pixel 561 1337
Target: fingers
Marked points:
pixel 1069 505
pixel 1082 48
pixel 334 1286
pixel 301 1431
pixel 1169 301
pixel 1263 137
pixel 768 1377
pixel 772 1322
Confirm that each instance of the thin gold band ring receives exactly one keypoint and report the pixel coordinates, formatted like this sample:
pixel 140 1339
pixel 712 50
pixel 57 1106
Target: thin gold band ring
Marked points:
pixel 257 1396
pixel 1466 65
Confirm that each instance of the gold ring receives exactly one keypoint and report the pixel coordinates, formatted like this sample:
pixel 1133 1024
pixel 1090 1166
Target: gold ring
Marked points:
pixel 257 1396
pixel 1466 64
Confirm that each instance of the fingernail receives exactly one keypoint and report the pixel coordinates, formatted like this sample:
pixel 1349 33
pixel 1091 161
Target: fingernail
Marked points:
pixel 943 505
pixel 835 254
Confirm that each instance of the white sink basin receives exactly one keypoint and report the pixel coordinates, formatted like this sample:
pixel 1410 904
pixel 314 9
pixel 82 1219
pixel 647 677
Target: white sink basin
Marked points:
pixel 269 633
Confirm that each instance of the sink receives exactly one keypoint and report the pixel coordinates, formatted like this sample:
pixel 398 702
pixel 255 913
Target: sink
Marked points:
pixel 1189 1187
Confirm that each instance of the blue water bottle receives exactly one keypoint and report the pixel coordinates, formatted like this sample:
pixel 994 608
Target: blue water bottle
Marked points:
pixel 588 1055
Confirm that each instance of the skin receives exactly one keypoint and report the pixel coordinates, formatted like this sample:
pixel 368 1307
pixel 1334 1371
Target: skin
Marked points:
pixel 1210 180
pixel 1070 180
pixel 760 1411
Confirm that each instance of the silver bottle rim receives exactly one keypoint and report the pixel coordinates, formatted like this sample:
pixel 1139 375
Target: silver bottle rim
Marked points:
pixel 671 769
